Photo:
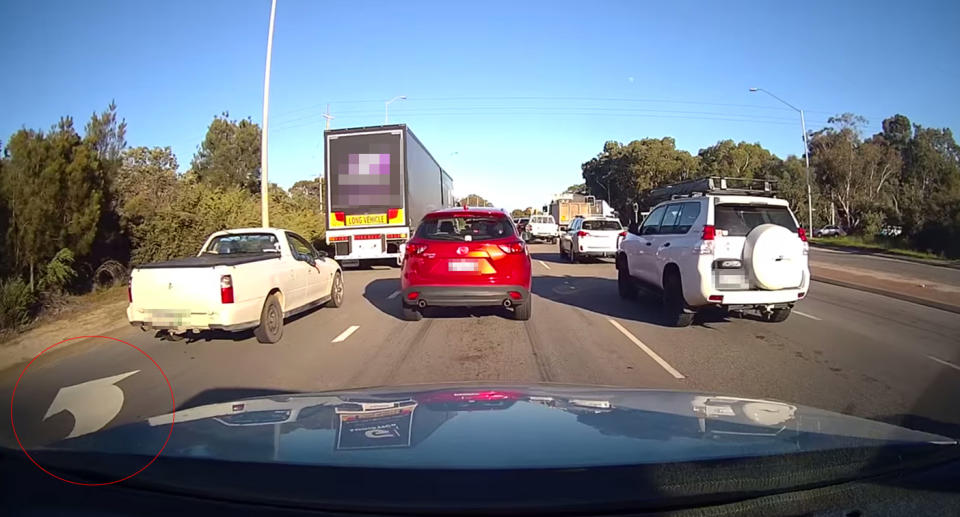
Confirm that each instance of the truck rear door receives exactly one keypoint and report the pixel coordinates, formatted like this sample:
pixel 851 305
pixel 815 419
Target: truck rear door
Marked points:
pixel 365 178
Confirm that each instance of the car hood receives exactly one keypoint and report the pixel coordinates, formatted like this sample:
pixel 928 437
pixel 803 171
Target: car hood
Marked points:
pixel 495 426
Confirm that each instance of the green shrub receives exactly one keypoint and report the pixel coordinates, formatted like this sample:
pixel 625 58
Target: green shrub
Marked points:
pixel 17 303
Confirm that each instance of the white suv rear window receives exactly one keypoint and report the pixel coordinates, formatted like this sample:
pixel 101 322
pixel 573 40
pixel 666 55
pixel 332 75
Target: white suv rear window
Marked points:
pixel 738 220
pixel 601 224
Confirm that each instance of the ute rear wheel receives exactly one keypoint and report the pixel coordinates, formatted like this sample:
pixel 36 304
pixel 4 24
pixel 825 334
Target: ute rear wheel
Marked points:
pixel 336 291
pixel 270 329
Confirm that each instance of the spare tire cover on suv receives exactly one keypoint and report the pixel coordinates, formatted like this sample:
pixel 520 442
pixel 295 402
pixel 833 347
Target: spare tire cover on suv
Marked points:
pixel 772 257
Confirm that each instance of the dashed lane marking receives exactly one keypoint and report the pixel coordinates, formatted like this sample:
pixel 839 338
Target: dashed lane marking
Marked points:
pixel 805 315
pixel 345 334
pixel 544 264
pixel 393 295
pixel 653 355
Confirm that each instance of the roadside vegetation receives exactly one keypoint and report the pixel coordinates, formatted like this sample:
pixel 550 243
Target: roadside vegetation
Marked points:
pixel 78 209
pixel 906 175
pixel 877 244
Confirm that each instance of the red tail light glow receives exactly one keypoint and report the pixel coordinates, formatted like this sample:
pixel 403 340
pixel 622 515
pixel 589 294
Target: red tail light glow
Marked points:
pixel 340 238
pixel 392 213
pixel 130 292
pixel 226 289
pixel 369 237
pixel 396 236
pixel 715 298
pixel 623 234
pixel 582 233
pixel 515 295
pixel 415 249
pixel 709 232
pixel 413 295
pixel 513 247
pixel 802 233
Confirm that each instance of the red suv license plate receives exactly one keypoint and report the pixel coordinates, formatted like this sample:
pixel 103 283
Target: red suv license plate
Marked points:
pixel 463 265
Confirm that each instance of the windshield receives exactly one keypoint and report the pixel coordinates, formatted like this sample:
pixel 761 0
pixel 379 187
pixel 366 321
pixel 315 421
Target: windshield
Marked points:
pixel 449 217
pixel 471 228
pixel 243 243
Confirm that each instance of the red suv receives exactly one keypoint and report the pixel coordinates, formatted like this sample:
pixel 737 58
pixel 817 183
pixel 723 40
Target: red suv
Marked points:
pixel 466 257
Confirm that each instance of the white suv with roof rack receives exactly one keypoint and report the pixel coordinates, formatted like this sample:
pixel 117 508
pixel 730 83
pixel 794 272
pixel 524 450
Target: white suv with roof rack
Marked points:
pixel 717 242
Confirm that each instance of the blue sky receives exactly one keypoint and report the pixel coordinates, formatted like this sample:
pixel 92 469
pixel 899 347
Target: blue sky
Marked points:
pixel 510 97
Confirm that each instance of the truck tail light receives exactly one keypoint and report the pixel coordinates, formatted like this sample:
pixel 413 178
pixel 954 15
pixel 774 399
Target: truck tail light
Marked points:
pixel 339 238
pixel 513 247
pixel 392 213
pixel 226 289
pixel 582 233
pixel 340 216
pixel 415 249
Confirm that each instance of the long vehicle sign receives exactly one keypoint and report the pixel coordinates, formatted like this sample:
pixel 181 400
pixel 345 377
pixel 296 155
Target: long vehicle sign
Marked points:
pixel 357 220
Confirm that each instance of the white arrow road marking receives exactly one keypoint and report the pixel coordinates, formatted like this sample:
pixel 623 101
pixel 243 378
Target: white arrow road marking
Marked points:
pixel 93 404
pixel 345 334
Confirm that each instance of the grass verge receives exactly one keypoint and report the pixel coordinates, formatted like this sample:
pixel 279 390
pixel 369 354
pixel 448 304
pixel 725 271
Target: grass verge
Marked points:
pixel 856 242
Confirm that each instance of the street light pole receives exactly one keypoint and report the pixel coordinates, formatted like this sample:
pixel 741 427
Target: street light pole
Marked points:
pixel 806 154
pixel 386 108
pixel 264 178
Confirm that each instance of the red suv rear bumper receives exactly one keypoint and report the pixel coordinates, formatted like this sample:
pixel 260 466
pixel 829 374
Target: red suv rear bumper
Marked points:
pixel 466 295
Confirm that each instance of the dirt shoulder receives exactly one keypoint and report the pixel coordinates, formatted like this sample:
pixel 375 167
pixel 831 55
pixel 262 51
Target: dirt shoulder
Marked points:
pixel 90 314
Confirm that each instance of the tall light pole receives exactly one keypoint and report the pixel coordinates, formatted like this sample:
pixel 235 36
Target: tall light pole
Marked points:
pixel 386 107
pixel 264 179
pixel 806 154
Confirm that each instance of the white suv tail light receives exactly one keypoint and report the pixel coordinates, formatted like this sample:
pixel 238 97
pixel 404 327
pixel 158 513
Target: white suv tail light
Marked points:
pixel 706 245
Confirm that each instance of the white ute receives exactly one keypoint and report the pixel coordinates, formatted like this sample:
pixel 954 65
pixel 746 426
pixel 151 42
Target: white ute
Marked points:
pixel 241 279
pixel 710 243
pixel 542 227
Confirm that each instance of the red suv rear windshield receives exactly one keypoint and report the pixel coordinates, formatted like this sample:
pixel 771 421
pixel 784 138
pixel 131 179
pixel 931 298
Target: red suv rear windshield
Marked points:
pixel 738 220
pixel 465 228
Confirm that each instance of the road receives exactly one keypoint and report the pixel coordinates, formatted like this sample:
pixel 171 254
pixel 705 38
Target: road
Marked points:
pixel 842 349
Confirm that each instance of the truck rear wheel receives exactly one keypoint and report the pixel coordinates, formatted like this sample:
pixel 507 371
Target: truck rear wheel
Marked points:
pixel 270 329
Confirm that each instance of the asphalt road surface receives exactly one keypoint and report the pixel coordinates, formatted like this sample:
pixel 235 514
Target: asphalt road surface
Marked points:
pixel 842 350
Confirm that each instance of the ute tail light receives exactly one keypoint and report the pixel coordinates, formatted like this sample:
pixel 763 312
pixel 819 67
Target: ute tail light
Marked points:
pixel 415 249
pixel 340 216
pixel 582 233
pixel 226 289
pixel 513 247
pixel 130 292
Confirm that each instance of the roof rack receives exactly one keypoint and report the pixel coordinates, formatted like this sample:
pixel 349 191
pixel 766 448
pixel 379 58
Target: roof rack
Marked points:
pixel 711 185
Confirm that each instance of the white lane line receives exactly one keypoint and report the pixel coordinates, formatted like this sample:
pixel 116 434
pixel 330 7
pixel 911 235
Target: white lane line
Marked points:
pixel 653 355
pixel 945 363
pixel 544 264
pixel 345 334
pixel 805 315
pixel 393 295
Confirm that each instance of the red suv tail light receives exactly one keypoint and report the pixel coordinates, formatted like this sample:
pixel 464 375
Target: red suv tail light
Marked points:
pixel 709 232
pixel 415 249
pixel 226 289
pixel 582 233
pixel 513 247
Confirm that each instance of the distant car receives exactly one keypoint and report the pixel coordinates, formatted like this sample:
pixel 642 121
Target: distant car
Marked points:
pixel 592 236
pixel 542 227
pixel 890 231
pixel 466 257
pixel 522 225
pixel 829 231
